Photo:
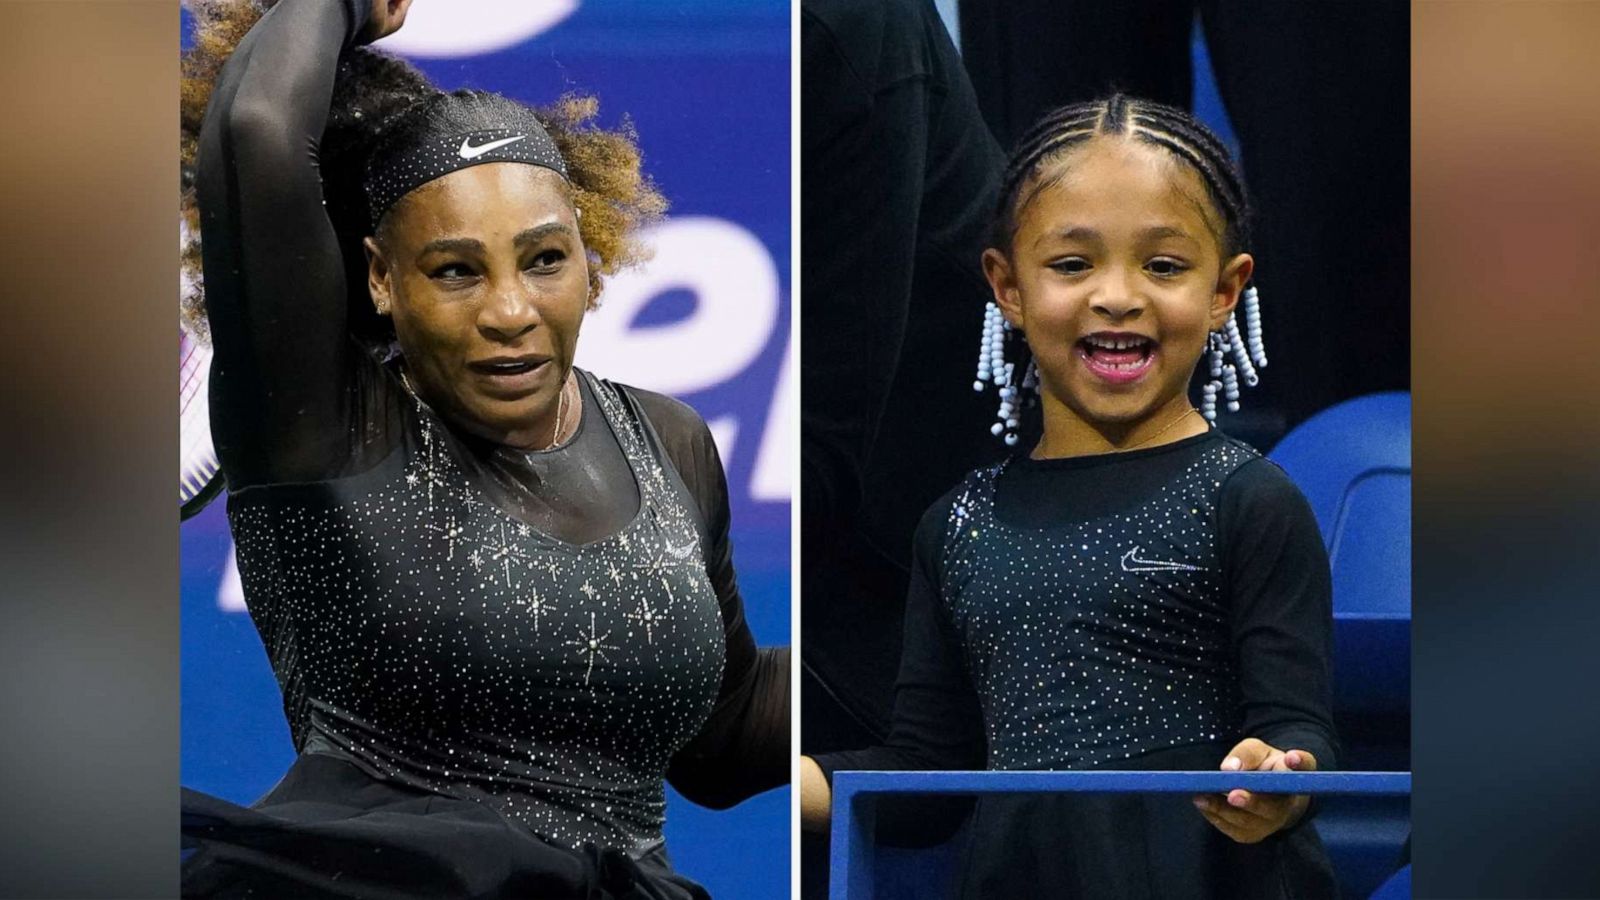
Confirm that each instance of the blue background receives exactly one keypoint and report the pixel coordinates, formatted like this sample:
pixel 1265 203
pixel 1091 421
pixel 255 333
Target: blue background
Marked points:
pixel 707 86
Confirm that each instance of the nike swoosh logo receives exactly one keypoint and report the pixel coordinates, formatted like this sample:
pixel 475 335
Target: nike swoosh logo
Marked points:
pixel 468 151
pixel 1132 563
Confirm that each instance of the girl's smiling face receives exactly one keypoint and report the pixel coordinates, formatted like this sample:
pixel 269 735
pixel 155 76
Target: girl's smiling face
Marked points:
pixel 1116 275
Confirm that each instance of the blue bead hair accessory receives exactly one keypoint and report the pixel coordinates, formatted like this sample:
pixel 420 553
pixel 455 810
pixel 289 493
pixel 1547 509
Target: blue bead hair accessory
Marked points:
pixel 1231 353
pixel 994 369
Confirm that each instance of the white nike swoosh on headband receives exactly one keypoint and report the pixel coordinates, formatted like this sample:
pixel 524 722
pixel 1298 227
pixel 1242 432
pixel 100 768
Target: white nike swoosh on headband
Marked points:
pixel 468 151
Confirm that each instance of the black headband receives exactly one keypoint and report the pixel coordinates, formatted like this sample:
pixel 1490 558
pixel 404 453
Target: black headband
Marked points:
pixel 397 173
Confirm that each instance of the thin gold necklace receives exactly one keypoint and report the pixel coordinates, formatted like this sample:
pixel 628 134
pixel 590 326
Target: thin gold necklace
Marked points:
pixel 561 407
pixel 1164 429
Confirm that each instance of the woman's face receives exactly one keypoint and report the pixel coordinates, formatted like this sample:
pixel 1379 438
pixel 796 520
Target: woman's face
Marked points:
pixel 1115 277
pixel 486 277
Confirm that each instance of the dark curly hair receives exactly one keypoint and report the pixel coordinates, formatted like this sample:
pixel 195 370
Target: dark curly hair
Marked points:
pixel 378 98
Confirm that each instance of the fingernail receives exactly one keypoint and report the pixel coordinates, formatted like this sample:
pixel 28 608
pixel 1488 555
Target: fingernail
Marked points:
pixel 1231 763
pixel 1202 803
pixel 1236 800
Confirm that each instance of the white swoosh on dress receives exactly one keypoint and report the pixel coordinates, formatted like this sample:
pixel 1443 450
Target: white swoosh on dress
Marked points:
pixel 1132 563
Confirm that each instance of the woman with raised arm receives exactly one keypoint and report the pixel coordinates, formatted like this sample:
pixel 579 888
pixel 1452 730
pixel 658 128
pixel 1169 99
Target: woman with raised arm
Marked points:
pixel 496 590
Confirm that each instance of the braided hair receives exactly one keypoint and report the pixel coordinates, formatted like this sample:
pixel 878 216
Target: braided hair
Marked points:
pixel 1172 129
pixel 378 99
pixel 1234 354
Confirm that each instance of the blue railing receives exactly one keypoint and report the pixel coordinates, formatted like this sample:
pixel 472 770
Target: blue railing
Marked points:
pixel 855 796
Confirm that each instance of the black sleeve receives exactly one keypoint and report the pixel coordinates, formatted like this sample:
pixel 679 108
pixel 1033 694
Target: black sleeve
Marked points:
pixel 274 277
pixel 937 722
pixel 1281 591
pixel 743 749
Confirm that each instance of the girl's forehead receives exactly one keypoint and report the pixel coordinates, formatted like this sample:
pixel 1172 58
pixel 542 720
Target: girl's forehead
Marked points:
pixel 1113 178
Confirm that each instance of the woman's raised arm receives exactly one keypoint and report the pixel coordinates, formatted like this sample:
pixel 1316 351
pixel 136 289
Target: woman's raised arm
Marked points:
pixel 274 277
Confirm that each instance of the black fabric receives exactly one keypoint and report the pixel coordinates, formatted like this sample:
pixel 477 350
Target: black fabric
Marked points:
pixel 1222 544
pixel 1310 87
pixel 328 830
pixel 305 419
pixel 899 177
pixel 440 642
pixel 401 169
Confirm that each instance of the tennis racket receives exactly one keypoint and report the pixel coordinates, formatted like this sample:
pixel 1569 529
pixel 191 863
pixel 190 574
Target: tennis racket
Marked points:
pixel 199 476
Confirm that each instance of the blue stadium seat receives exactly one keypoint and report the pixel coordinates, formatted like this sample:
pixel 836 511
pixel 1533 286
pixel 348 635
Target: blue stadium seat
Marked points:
pixel 1398 887
pixel 1353 462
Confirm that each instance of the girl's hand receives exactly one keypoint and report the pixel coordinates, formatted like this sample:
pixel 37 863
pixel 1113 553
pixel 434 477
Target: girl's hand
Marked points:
pixel 387 17
pixel 1250 817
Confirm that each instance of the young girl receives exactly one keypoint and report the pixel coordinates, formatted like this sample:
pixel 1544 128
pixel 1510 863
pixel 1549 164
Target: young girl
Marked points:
pixel 1139 591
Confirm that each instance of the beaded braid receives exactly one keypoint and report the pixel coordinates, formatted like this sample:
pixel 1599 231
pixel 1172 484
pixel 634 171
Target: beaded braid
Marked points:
pixel 1233 354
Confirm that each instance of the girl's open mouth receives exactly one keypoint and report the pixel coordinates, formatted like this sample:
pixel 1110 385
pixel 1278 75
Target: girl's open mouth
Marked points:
pixel 1115 357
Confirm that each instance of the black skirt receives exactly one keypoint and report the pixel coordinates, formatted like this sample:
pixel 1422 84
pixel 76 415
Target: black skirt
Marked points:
pixel 1135 846
pixel 330 830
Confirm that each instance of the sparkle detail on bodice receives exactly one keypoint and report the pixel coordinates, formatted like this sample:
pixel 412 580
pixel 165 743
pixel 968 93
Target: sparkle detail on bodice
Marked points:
pixel 1079 658
pixel 429 636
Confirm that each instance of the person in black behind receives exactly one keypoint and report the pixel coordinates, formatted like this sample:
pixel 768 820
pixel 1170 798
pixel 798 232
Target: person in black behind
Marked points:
pixel 496 590
pixel 898 177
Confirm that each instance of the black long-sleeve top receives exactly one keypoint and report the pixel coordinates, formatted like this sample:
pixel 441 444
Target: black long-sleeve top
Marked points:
pixel 297 402
pixel 1072 613
pixel 1140 610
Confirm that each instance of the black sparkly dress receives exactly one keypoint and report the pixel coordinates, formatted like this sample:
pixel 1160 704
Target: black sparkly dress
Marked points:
pixel 1141 610
pixel 491 660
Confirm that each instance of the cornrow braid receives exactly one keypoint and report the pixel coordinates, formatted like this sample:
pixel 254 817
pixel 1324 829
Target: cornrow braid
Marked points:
pixel 1173 129
pixel 1066 127
pixel 1235 353
pixel 1195 143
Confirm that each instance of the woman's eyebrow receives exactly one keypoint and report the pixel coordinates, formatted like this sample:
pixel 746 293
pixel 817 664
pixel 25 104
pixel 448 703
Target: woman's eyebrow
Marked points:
pixel 453 245
pixel 537 232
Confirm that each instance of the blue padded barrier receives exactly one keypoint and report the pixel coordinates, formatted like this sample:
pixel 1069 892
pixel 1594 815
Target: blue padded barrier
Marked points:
pixel 855 795
pixel 1363 836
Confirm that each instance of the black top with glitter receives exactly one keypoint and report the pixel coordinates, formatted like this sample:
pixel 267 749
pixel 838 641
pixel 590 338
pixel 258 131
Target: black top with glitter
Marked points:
pixel 548 634
pixel 424 633
pixel 1074 613
pixel 1141 610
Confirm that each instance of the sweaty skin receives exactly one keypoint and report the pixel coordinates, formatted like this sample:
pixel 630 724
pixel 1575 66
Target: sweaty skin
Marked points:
pixel 482 267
